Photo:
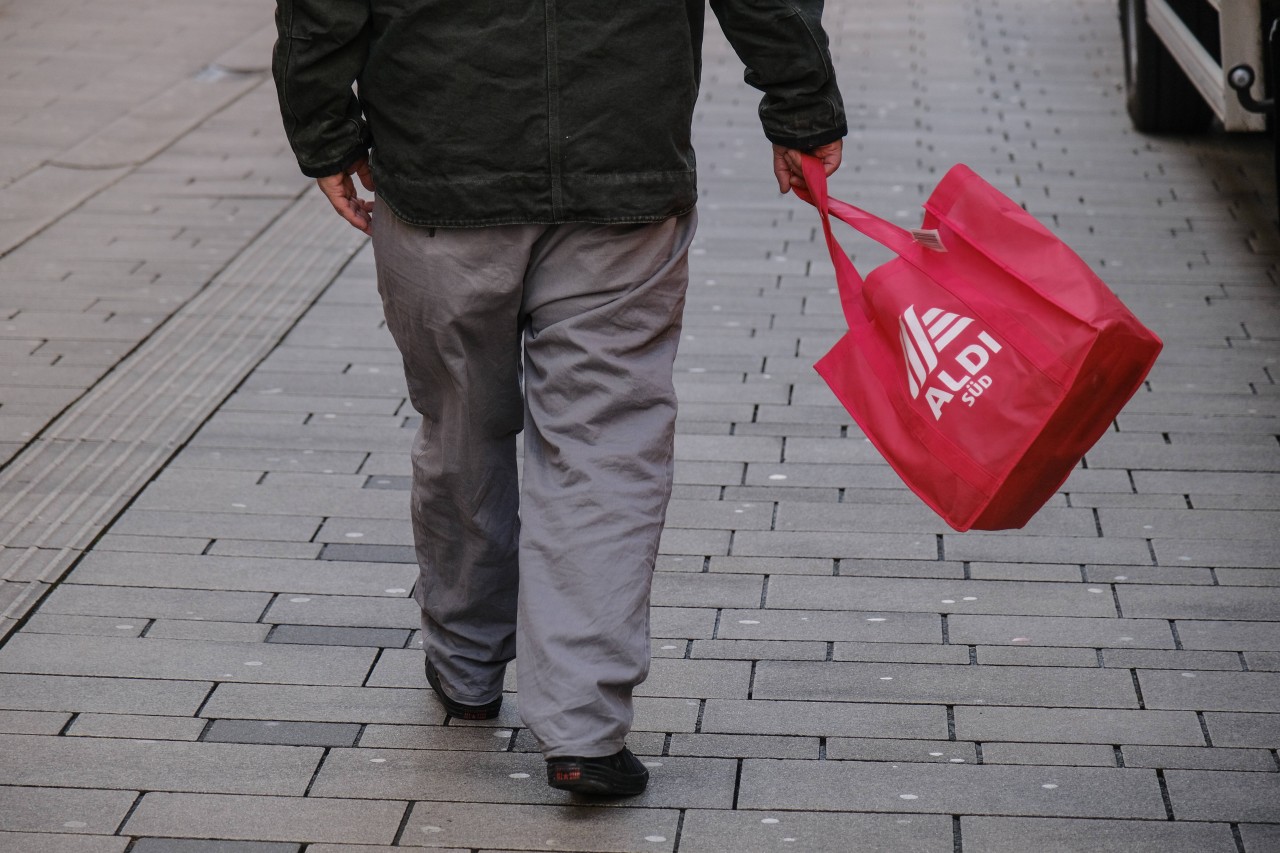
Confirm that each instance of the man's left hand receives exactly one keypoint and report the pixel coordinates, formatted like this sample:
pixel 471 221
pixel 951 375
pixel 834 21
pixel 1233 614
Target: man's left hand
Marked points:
pixel 789 172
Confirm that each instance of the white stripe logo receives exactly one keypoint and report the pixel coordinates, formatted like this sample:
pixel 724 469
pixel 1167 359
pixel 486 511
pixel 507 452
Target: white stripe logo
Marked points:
pixel 924 338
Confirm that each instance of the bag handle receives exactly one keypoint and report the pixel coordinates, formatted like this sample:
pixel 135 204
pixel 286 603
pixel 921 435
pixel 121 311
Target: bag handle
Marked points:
pixel 849 281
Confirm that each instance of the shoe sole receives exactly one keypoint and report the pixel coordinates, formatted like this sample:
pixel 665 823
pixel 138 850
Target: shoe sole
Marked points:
pixel 594 780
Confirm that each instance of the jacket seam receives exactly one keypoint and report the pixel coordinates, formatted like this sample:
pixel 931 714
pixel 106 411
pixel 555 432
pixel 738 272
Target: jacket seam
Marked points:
pixel 553 110
pixel 824 55
pixel 287 36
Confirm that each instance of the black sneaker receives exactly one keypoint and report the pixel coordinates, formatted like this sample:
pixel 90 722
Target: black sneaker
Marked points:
pixel 617 775
pixel 456 709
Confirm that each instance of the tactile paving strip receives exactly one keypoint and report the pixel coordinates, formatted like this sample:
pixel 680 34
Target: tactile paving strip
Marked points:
pixel 61 492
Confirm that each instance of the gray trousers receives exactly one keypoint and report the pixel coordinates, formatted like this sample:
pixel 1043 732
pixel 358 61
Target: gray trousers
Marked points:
pixel 556 571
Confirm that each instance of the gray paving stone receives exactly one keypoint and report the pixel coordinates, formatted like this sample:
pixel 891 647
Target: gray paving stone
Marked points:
pixel 215 525
pixel 155 765
pixel 84 600
pixel 1223 795
pixel 1012 835
pixel 281 458
pixel 1064 573
pixel 185 659
pixel 1229 635
pixel 350 553
pixel 28 842
pixel 1048 754
pixel 373 848
pixel 151 544
pixel 178 845
pixel 92 626
pixel 796 494
pixel 772 565
pixel 758 650
pixel 1216 603
pixel 1259 838
pixel 1149 575
pixel 1150 659
pixel 1060 631
pixel 403 668
pixel 1047 549
pixel 223 632
pixel 1206 482
pixel 854 515
pixel 1216 552
pixel 1017 656
pixel 241 574
pixel 62 809
pixel 934 596
pixel 901 653
pixel 726 515
pixel 951 789
pixel 942 684
pixel 508 777
pixel 830 625
pixel 1248 577
pixel 392 610
pixel 1243 729
pixel 743 746
pixel 692 623
pixel 366 531
pixel 872 568
pixel 328 636
pixel 891 750
pixel 1199 758
pixel 1078 725
pixel 575 827
pixel 137 726
pixel 753 543
pixel 295 818
pixel 482 739
pixel 703 679
pixel 267 500
pixel 322 704
pixel 684 589
pixel 271 550
pixel 1210 691
pixel 694 542
pixel 32 722
pixel 103 695
pixel 732 831
pixel 823 719
pixel 283 733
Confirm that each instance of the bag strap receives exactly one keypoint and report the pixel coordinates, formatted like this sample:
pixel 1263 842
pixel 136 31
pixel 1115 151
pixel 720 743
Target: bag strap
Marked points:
pixel 848 279
pixel 891 236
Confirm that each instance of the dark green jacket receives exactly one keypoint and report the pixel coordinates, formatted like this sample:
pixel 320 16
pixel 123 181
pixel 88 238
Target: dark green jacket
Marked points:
pixel 486 112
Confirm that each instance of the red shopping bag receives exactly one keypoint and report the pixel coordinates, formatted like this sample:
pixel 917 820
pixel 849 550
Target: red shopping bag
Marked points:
pixel 986 358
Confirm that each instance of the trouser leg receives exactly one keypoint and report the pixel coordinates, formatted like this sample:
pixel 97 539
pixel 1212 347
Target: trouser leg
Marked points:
pixel 603 307
pixel 452 304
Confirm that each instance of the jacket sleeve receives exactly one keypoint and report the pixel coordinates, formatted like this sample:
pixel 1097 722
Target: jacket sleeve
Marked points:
pixel 784 48
pixel 319 53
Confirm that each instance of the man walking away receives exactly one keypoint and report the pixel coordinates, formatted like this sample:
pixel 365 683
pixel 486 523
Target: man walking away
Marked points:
pixel 536 191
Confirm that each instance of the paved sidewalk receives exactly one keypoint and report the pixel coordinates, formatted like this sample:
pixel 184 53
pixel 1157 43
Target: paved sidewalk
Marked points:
pixel 209 645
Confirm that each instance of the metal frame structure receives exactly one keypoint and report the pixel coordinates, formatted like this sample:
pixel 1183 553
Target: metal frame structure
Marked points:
pixel 1240 25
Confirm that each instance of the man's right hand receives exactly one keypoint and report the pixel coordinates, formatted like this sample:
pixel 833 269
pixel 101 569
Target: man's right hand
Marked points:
pixel 342 194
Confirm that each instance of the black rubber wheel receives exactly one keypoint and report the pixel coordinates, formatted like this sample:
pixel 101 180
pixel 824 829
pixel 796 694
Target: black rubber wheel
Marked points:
pixel 1159 96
